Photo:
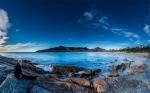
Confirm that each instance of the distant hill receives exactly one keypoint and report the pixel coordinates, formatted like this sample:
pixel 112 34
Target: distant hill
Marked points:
pixel 72 49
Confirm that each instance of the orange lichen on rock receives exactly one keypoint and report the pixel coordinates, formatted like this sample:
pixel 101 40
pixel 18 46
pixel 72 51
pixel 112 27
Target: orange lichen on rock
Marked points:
pixel 99 85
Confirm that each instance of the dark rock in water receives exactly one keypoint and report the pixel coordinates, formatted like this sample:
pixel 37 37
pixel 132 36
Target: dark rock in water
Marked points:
pixel 89 73
pixel 119 68
pixel 116 75
pixel 37 89
pixel 13 85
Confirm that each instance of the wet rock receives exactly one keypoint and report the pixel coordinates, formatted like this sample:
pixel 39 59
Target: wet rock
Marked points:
pixel 89 73
pixel 37 89
pixel 13 85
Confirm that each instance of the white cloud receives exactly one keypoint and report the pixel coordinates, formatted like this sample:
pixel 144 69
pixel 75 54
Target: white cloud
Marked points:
pixel 116 31
pixel 138 42
pixel 131 34
pixel 17 30
pixel 123 32
pixel 148 41
pixel 147 29
pixel 108 44
pixel 103 20
pixel 4 24
pixel 88 16
pixel 20 47
pixel 94 19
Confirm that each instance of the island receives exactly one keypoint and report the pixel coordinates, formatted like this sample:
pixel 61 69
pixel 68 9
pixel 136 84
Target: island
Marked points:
pixel 72 49
pixel 139 49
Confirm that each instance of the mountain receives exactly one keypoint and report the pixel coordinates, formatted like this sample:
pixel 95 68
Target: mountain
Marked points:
pixel 71 49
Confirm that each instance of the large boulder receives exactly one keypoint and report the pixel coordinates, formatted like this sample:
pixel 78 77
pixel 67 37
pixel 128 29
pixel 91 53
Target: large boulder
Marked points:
pixel 66 69
pixel 102 84
pixel 119 85
pixel 64 85
pixel 129 85
pixel 13 85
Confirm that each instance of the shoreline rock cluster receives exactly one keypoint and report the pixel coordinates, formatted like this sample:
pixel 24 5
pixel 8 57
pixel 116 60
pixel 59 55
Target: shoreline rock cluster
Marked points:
pixel 68 79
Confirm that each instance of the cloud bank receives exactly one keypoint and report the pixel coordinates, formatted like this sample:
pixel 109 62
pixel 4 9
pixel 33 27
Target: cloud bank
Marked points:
pixel 147 29
pixel 4 24
pixel 123 32
pixel 95 19
pixel 18 47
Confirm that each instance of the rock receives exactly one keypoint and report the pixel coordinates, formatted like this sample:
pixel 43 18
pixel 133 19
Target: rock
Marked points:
pixel 13 85
pixel 65 69
pixel 100 85
pixel 136 69
pixel 53 84
pixel 119 68
pixel 125 59
pixel 78 81
pixel 64 85
pixel 119 85
pixel 89 73
pixel 128 85
pixel 85 73
pixel 37 89
pixel 31 68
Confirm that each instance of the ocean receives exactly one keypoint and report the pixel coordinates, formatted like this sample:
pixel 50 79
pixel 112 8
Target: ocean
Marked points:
pixel 89 60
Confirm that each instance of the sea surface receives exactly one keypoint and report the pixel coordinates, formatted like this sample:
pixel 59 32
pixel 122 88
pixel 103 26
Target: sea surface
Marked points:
pixel 88 60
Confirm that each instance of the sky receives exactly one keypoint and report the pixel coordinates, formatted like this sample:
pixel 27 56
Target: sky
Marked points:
pixel 30 25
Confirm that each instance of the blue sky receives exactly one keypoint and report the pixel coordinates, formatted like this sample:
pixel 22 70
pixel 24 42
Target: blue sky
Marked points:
pixel 38 24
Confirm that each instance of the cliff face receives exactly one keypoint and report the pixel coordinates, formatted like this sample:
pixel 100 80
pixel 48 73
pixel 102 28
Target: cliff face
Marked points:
pixel 72 49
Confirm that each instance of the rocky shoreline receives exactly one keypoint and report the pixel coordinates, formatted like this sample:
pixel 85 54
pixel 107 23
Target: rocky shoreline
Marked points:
pixel 71 79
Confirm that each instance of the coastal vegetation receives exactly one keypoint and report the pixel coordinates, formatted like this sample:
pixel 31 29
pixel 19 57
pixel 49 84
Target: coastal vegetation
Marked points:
pixel 137 49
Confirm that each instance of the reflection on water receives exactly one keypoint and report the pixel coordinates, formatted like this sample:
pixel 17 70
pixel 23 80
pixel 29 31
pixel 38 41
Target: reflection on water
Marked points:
pixel 83 59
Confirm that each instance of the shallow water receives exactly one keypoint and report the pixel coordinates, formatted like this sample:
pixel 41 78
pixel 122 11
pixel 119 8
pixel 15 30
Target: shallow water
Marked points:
pixel 89 60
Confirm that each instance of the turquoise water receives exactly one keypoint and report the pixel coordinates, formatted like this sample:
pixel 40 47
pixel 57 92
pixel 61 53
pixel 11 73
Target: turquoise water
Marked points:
pixel 89 60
